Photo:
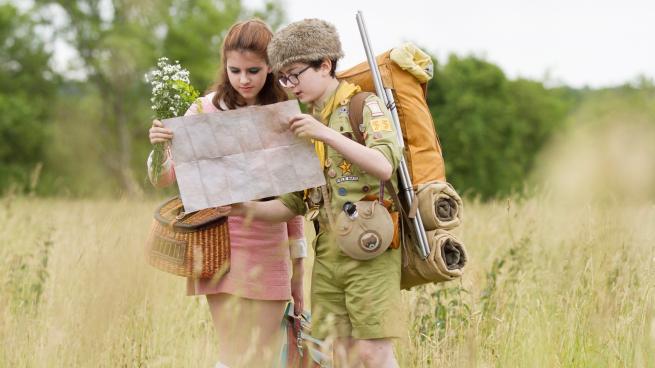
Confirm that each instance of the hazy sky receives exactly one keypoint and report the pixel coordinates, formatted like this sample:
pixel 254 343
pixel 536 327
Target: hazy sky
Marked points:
pixel 578 42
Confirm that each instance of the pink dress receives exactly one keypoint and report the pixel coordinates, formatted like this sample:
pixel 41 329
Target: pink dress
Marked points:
pixel 260 253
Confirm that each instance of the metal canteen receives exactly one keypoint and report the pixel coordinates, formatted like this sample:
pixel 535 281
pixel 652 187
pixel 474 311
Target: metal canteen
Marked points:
pixel 364 229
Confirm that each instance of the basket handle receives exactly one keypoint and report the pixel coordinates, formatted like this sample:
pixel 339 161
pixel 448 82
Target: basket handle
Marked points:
pixel 179 216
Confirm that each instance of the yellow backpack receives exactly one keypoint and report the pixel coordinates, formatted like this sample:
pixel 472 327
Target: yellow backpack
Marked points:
pixel 406 71
pixel 422 149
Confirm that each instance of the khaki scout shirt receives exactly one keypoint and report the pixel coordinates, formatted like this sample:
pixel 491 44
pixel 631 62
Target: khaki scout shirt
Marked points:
pixel 347 182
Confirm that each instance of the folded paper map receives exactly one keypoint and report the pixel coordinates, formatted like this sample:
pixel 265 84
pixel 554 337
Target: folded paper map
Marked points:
pixel 239 155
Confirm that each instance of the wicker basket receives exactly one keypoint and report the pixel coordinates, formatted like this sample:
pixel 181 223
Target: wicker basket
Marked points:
pixel 195 245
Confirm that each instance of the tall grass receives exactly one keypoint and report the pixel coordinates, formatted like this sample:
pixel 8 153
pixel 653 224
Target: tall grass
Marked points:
pixel 547 286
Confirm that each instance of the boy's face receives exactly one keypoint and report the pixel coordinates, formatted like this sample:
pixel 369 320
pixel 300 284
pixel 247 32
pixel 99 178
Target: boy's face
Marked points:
pixel 306 83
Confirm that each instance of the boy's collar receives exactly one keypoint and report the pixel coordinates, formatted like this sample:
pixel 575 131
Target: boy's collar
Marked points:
pixel 319 105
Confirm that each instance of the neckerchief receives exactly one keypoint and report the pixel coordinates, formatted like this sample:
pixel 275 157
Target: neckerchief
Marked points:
pixel 343 93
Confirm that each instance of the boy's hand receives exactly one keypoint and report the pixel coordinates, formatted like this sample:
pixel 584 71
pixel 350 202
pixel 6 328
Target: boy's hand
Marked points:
pixel 306 126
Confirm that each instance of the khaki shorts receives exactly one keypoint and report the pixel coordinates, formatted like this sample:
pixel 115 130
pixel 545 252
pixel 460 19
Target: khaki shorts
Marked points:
pixel 355 298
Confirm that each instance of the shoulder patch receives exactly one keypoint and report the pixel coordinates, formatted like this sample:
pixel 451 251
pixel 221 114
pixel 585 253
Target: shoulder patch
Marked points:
pixel 381 125
pixel 375 108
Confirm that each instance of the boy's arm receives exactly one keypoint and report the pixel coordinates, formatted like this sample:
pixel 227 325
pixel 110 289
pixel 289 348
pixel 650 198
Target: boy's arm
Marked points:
pixel 282 209
pixel 370 160
pixel 381 155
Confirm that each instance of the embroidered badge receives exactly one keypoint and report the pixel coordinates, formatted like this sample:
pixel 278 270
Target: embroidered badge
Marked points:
pixel 345 167
pixel 332 173
pixel 377 135
pixel 381 125
pixel 375 108
pixel 347 178
pixel 342 192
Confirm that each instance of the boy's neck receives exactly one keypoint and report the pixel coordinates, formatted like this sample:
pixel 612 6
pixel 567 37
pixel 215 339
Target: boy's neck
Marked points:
pixel 332 85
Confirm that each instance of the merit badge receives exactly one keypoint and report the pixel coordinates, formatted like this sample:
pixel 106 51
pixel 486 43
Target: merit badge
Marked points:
pixel 381 125
pixel 375 108
pixel 332 173
pixel 342 192
pixel 345 167
pixel 377 135
pixel 347 178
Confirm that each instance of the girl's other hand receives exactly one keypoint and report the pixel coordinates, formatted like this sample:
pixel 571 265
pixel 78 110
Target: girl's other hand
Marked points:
pixel 159 134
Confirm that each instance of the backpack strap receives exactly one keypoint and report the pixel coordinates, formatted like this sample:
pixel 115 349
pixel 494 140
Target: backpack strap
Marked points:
pixel 356 118
pixel 356 115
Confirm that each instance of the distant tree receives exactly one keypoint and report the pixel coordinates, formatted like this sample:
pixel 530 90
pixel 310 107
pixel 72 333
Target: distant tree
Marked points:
pixel 491 128
pixel 27 89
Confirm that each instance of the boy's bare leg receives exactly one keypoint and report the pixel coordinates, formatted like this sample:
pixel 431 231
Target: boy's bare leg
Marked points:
pixel 376 353
pixel 345 355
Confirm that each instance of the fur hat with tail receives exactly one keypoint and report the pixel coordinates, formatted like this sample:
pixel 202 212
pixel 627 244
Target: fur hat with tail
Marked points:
pixel 304 41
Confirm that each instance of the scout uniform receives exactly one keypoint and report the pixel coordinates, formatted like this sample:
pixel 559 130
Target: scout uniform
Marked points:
pixel 350 297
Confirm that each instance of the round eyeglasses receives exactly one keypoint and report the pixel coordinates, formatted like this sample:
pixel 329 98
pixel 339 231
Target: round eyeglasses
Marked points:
pixel 291 80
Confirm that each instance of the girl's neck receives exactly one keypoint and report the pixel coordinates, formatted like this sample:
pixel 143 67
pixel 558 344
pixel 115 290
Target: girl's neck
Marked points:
pixel 251 101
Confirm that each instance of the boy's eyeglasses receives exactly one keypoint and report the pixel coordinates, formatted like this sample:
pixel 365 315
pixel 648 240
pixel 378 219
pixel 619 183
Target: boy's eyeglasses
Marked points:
pixel 291 80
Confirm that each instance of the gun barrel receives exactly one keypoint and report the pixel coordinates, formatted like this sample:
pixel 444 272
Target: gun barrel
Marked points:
pixel 387 96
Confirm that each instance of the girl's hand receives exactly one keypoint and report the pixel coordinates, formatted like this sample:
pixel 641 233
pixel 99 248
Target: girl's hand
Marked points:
pixel 224 210
pixel 159 134
pixel 297 292
pixel 306 126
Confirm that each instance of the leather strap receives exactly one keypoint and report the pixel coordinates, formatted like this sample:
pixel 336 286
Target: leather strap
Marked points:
pixel 356 118
pixel 356 114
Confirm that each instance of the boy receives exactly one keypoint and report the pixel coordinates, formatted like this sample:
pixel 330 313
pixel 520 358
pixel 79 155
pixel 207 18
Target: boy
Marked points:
pixel 357 302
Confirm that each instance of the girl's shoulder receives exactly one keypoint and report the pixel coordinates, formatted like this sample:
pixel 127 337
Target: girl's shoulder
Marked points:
pixel 203 105
pixel 207 104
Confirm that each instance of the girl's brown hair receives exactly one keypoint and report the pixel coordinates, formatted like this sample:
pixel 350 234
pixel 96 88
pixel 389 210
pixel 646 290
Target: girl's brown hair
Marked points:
pixel 250 35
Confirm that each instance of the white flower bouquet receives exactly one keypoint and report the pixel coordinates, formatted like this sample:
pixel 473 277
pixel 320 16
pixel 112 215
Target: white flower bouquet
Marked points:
pixel 172 95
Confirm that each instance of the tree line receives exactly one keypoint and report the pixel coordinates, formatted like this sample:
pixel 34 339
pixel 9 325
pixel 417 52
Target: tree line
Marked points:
pixel 86 134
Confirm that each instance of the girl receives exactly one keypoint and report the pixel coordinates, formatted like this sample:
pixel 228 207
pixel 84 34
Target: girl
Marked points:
pixel 247 303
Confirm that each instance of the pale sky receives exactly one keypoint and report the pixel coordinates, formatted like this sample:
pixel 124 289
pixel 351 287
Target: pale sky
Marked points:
pixel 577 42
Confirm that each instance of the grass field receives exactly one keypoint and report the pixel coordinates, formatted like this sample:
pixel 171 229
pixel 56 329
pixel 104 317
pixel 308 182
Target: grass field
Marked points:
pixel 548 285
